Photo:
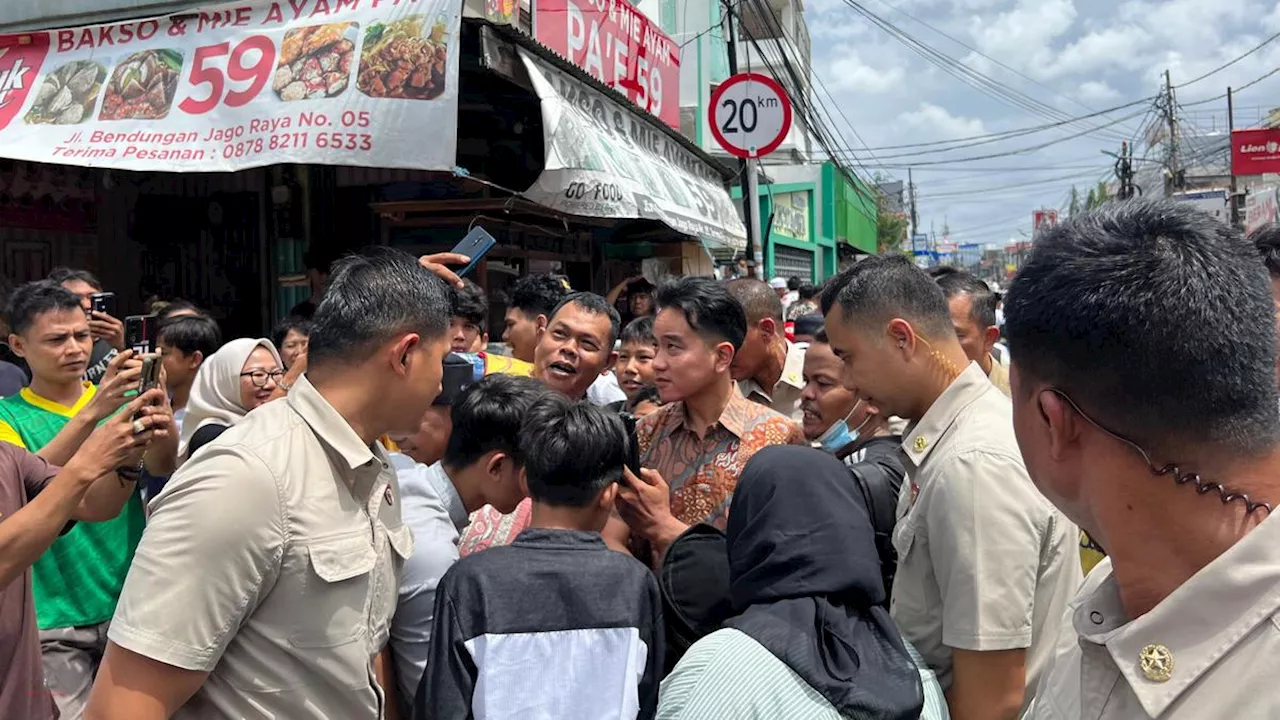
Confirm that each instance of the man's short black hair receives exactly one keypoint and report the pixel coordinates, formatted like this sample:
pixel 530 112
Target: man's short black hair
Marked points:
pixel 758 300
pixel 190 333
pixel 883 287
pixel 707 306
pixel 793 283
pixel 1157 320
pixel 639 331
pixel 176 306
pixel 572 451
pixel 595 305
pixel 646 394
pixel 371 297
pixel 956 282
pixel 471 304
pixel 33 299
pixel 66 274
pixel 487 417
pixel 808 291
pixel 809 324
pixel 292 322
pixel 538 294
pixel 1267 240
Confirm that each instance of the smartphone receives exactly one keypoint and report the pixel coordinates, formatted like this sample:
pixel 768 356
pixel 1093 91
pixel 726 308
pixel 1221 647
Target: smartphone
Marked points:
pixel 139 333
pixel 150 376
pixel 104 302
pixel 475 245
pixel 633 443
pixel 459 372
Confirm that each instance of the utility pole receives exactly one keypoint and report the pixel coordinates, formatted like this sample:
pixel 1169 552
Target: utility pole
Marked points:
pixel 1174 181
pixel 911 198
pixel 746 168
pixel 1234 200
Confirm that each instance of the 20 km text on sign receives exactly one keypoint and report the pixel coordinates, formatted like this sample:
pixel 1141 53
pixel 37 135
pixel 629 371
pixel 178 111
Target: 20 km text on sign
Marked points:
pixel 750 115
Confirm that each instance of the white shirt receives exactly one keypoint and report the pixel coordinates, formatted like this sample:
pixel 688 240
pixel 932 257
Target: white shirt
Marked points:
pixel 605 391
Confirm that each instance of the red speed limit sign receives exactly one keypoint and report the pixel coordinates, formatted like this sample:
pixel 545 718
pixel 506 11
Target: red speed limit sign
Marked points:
pixel 750 115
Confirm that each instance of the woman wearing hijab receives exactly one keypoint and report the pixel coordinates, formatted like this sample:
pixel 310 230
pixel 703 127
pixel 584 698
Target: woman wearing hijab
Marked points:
pixel 803 630
pixel 239 377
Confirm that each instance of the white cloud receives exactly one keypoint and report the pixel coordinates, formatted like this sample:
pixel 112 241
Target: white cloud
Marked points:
pixel 848 72
pixel 1093 91
pixel 940 124
pixel 1022 36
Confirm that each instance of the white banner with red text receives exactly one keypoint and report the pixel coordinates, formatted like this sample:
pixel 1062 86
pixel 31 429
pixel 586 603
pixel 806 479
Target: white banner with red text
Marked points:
pixel 332 82
pixel 604 159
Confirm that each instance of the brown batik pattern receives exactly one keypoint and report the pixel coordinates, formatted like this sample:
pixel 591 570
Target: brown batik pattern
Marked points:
pixel 703 473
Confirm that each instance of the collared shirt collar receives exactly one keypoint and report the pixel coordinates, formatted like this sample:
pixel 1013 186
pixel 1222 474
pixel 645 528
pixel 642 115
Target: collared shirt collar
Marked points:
pixel 792 374
pixel 732 418
pixel 922 437
pixel 1199 623
pixel 331 428
pixel 444 488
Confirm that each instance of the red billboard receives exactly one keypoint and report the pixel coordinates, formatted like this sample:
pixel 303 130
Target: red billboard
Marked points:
pixel 617 45
pixel 1254 152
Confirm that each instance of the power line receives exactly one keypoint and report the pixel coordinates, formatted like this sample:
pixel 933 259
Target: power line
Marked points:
pixel 967 75
pixel 1228 64
pixel 981 54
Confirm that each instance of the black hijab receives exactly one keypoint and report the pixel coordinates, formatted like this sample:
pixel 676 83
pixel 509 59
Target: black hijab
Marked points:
pixel 805 583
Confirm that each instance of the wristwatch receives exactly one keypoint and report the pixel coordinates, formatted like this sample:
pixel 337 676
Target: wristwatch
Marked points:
pixel 128 474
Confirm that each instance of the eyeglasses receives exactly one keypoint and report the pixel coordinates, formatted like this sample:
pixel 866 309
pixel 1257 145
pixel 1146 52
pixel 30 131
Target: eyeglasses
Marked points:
pixel 260 377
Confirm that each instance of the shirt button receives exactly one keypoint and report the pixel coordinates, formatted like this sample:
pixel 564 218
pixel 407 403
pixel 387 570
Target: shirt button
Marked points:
pixel 920 443
pixel 1156 662
pixel 1096 617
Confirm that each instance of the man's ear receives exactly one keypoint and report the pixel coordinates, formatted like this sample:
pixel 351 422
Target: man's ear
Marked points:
pixel 613 361
pixel 724 356
pixel 1062 422
pixel 607 497
pixel 400 353
pixel 990 336
pixel 524 482
pixel 493 465
pixel 768 329
pixel 196 359
pixel 15 343
pixel 902 336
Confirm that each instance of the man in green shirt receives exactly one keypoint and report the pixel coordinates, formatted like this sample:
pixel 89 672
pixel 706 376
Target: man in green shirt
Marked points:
pixel 77 581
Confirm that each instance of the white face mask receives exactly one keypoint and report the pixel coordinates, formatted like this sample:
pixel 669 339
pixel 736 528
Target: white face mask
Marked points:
pixel 839 435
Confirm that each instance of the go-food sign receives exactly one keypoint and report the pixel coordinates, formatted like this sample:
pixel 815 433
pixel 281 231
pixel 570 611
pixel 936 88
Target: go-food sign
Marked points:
pixel 750 115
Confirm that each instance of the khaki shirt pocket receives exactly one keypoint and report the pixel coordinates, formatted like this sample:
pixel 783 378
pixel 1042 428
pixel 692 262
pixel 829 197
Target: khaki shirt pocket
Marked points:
pixel 336 591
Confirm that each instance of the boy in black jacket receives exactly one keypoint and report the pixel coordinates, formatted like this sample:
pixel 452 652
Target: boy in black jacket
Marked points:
pixel 554 625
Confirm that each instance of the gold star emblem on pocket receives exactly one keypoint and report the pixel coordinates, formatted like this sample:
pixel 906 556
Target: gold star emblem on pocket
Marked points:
pixel 1156 662
pixel 920 443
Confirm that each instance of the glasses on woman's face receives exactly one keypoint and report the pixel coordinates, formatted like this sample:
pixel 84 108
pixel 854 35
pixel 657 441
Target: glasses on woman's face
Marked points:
pixel 259 377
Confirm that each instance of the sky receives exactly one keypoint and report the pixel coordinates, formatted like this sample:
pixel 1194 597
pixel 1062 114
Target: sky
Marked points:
pixel 1075 56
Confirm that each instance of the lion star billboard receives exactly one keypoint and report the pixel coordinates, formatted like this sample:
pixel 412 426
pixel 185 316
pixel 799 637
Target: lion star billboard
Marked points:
pixel 1255 152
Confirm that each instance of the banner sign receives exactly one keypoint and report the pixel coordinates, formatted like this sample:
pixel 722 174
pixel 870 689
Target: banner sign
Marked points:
pixel 791 214
pixel 617 45
pixel 334 82
pixel 605 160
pixel 1260 208
pixel 1255 152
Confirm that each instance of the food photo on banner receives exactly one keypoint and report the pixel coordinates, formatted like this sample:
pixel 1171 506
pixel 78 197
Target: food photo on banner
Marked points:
pixel 617 45
pixel 239 85
pixel 603 160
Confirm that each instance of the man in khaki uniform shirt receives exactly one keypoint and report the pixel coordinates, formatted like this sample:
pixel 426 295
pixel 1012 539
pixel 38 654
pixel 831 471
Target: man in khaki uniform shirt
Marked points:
pixel 267 576
pixel 986 565
pixel 768 369
pixel 973 313
pixel 1137 421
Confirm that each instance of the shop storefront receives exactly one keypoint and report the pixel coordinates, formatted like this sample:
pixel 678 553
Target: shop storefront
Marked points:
pixel 201 155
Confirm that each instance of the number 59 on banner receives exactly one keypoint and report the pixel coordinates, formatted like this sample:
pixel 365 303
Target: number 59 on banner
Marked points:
pixel 252 61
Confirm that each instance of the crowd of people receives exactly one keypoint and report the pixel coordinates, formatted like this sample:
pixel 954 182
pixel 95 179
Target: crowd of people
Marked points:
pixel 885 497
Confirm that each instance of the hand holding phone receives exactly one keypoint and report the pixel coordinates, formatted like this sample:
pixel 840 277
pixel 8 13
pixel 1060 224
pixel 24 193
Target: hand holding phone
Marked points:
pixel 475 245
pixel 139 332
pixel 633 443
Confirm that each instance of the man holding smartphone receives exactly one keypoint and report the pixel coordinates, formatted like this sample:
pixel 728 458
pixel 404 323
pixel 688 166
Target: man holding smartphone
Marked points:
pixel 107 331
pixel 37 501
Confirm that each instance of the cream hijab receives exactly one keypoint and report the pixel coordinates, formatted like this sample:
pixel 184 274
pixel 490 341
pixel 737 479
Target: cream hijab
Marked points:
pixel 215 395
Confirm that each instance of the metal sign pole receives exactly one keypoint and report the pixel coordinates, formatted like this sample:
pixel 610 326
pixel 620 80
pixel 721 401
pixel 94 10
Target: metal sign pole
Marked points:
pixel 752 207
